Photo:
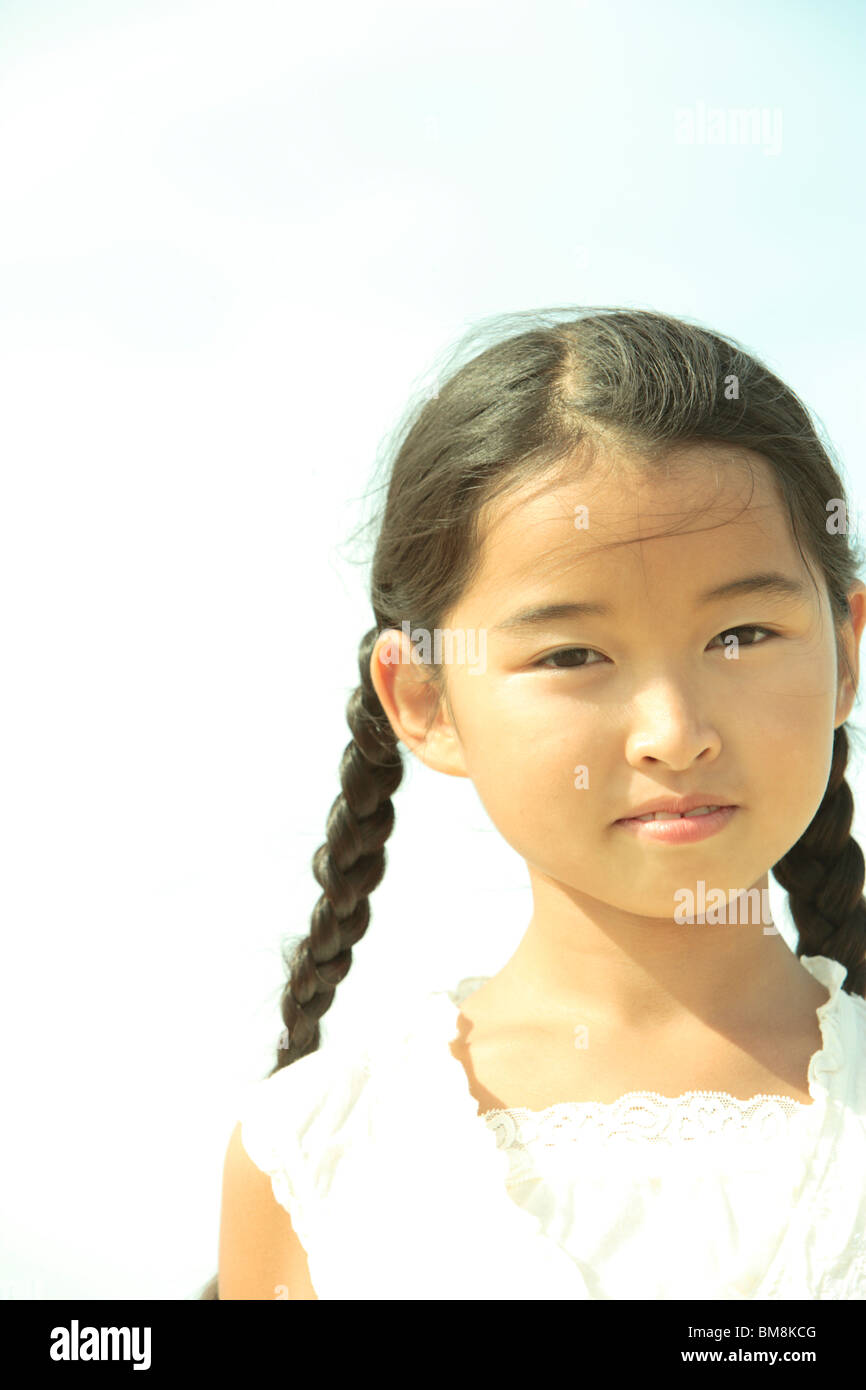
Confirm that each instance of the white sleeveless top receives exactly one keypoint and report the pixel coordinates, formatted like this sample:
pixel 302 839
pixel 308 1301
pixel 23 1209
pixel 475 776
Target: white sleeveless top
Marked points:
pixel 398 1189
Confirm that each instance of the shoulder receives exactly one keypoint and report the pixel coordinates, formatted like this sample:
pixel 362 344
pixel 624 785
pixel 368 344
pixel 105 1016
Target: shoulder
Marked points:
pixel 261 1255
pixel 295 1122
pixel 302 1100
pixel 840 1066
pixel 282 1144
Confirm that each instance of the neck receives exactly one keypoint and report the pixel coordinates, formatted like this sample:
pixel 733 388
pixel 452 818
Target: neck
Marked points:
pixel 582 958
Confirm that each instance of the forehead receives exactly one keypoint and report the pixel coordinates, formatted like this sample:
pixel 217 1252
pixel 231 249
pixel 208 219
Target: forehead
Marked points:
pixel 625 510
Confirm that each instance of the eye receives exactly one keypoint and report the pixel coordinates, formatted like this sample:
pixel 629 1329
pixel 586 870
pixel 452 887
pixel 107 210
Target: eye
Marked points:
pixel 749 627
pixel 566 651
pixel 580 651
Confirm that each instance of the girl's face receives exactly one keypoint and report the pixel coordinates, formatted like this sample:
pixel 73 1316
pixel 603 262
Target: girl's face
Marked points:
pixel 561 743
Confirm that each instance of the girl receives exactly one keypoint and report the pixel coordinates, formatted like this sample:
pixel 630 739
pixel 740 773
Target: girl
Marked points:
pixel 637 531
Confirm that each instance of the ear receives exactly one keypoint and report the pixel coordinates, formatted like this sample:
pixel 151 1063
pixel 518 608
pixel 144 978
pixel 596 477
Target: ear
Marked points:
pixel 416 710
pixel 846 693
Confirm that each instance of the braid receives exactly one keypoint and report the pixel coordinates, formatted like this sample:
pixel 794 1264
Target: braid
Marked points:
pixel 823 874
pixel 348 866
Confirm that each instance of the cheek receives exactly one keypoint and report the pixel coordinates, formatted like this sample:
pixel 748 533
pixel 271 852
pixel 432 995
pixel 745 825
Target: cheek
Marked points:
pixel 535 774
pixel 788 762
pixel 790 717
pixel 780 754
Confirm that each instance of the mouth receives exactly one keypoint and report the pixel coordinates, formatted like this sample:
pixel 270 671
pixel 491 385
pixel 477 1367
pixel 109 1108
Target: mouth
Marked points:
pixel 680 829
pixel 696 812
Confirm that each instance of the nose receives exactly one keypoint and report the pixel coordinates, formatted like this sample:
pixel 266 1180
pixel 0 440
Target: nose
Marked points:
pixel 668 725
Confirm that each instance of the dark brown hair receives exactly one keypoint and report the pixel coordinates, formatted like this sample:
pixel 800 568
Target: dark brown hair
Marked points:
pixel 519 408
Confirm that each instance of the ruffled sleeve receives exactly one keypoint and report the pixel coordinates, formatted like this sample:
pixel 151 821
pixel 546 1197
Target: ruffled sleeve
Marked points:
pixel 259 1138
pixel 276 1115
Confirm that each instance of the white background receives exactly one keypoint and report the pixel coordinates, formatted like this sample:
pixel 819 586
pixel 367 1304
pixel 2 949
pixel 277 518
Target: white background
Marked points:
pixel 234 240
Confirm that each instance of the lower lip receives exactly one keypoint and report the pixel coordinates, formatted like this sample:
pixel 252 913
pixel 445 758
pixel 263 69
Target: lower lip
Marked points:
pixel 685 831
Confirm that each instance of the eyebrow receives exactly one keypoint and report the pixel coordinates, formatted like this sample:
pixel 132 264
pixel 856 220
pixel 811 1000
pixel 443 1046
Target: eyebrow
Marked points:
pixel 771 584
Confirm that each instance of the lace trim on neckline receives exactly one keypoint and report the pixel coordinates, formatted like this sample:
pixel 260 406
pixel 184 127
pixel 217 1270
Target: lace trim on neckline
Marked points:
pixel 647 1115
pixel 696 1101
